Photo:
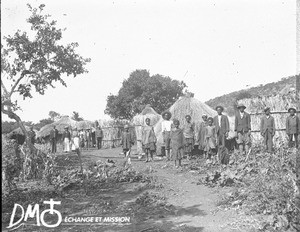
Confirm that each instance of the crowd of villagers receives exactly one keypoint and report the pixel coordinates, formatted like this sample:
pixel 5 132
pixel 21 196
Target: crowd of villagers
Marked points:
pixel 179 140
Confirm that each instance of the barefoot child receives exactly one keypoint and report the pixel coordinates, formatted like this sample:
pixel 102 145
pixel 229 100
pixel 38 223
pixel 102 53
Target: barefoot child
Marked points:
pixel 148 140
pixel 177 143
pixel 210 138
pixel 188 132
pixel 126 142
pixel 166 127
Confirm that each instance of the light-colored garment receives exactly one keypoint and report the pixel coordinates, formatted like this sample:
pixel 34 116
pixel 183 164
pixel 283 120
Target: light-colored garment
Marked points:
pixel 201 135
pixel 219 120
pixel 242 114
pixel 166 125
pixel 75 140
pixel 66 145
pixel 210 137
pixel 148 135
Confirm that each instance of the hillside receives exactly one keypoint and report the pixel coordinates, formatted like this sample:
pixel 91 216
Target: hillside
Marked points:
pixel 229 100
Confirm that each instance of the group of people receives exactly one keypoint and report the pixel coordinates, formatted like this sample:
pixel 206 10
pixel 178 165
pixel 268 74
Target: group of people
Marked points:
pixel 211 136
pixel 74 140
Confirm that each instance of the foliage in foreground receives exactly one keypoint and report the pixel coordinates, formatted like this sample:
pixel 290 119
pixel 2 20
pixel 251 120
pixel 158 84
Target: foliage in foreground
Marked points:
pixel 263 185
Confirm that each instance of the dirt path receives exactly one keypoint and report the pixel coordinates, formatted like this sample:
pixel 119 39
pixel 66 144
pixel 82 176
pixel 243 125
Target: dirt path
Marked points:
pixel 196 208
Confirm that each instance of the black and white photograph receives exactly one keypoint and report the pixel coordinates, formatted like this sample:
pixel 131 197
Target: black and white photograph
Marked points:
pixel 150 116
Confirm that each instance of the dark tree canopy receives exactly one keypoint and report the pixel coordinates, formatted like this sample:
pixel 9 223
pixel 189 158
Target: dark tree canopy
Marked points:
pixel 53 115
pixel 141 89
pixel 35 62
pixel 76 116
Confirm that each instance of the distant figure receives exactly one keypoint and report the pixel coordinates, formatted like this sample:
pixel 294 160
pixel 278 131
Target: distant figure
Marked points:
pixel 177 143
pixel 221 123
pixel 201 134
pixel 127 140
pixel 166 127
pixel 292 127
pixel 267 129
pixel 243 128
pixel 88 137
pixel 82 138
pixel 148 140
pixel 53 139
pixel 32 135
pixel 99 136
pixel 67 139
pixel 93 137
pixel 210 134
pixel 75 141
pixel 188 133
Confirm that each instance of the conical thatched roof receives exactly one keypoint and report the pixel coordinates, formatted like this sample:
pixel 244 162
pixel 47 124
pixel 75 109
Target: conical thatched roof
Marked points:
pixel 60 125
pixel 19 131
pixel 148 112
pixel 85 124
pixel 185 106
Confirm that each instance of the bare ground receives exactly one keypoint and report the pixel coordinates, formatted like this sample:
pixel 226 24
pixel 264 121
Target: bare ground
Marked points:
pixel 190 207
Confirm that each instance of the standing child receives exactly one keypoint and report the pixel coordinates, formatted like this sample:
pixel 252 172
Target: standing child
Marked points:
pixel 188 133
pixel 292 127
pixel 177 143
pixel 166 127
pixel 127 141
pixel 148 140
pixel 210 138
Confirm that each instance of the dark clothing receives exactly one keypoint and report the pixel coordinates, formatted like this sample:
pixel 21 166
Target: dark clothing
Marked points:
pixel 177 143
pixel 267 130
pixel 292 125
pixel 127 140
pixel 66 134
pixel 267 124
pixel 222 129
pixel 53 140
pixel 242 124
pixel 99 142
pixel 99 133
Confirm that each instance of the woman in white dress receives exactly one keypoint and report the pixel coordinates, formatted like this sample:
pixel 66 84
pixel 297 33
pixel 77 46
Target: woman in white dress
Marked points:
pixel 76 145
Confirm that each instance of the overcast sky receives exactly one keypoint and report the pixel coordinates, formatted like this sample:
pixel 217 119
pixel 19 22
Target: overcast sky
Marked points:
pixel 214 46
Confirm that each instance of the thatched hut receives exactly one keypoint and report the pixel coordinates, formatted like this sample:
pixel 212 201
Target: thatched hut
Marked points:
pixel 139 123
pixel 182 107
pixel 85 124
pixel 278 104
pixel 60 125
pixel 18 134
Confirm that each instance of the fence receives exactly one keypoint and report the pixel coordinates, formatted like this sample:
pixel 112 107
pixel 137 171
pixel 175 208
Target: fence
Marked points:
pixel 280 122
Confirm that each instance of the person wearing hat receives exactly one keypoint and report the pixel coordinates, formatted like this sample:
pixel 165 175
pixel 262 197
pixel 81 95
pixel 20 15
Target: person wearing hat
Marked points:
pixel 267 129
pixel 66 138
pixel 292 127
pixel 242 127
pixel 166 126
pixel 221 123
pixel 201 134
pixel 53 139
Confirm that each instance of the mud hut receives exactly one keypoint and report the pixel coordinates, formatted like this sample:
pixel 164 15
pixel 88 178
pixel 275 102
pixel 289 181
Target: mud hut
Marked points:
pixel 182 107
pixel 60 125
pixel 18 134
pixel 139 122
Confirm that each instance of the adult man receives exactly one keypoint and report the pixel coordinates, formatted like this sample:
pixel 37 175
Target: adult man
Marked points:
pixel 243 129
pixel 99 136
pixel 53 139
pixel 292 127
pixel 267 129
pixel 221 123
